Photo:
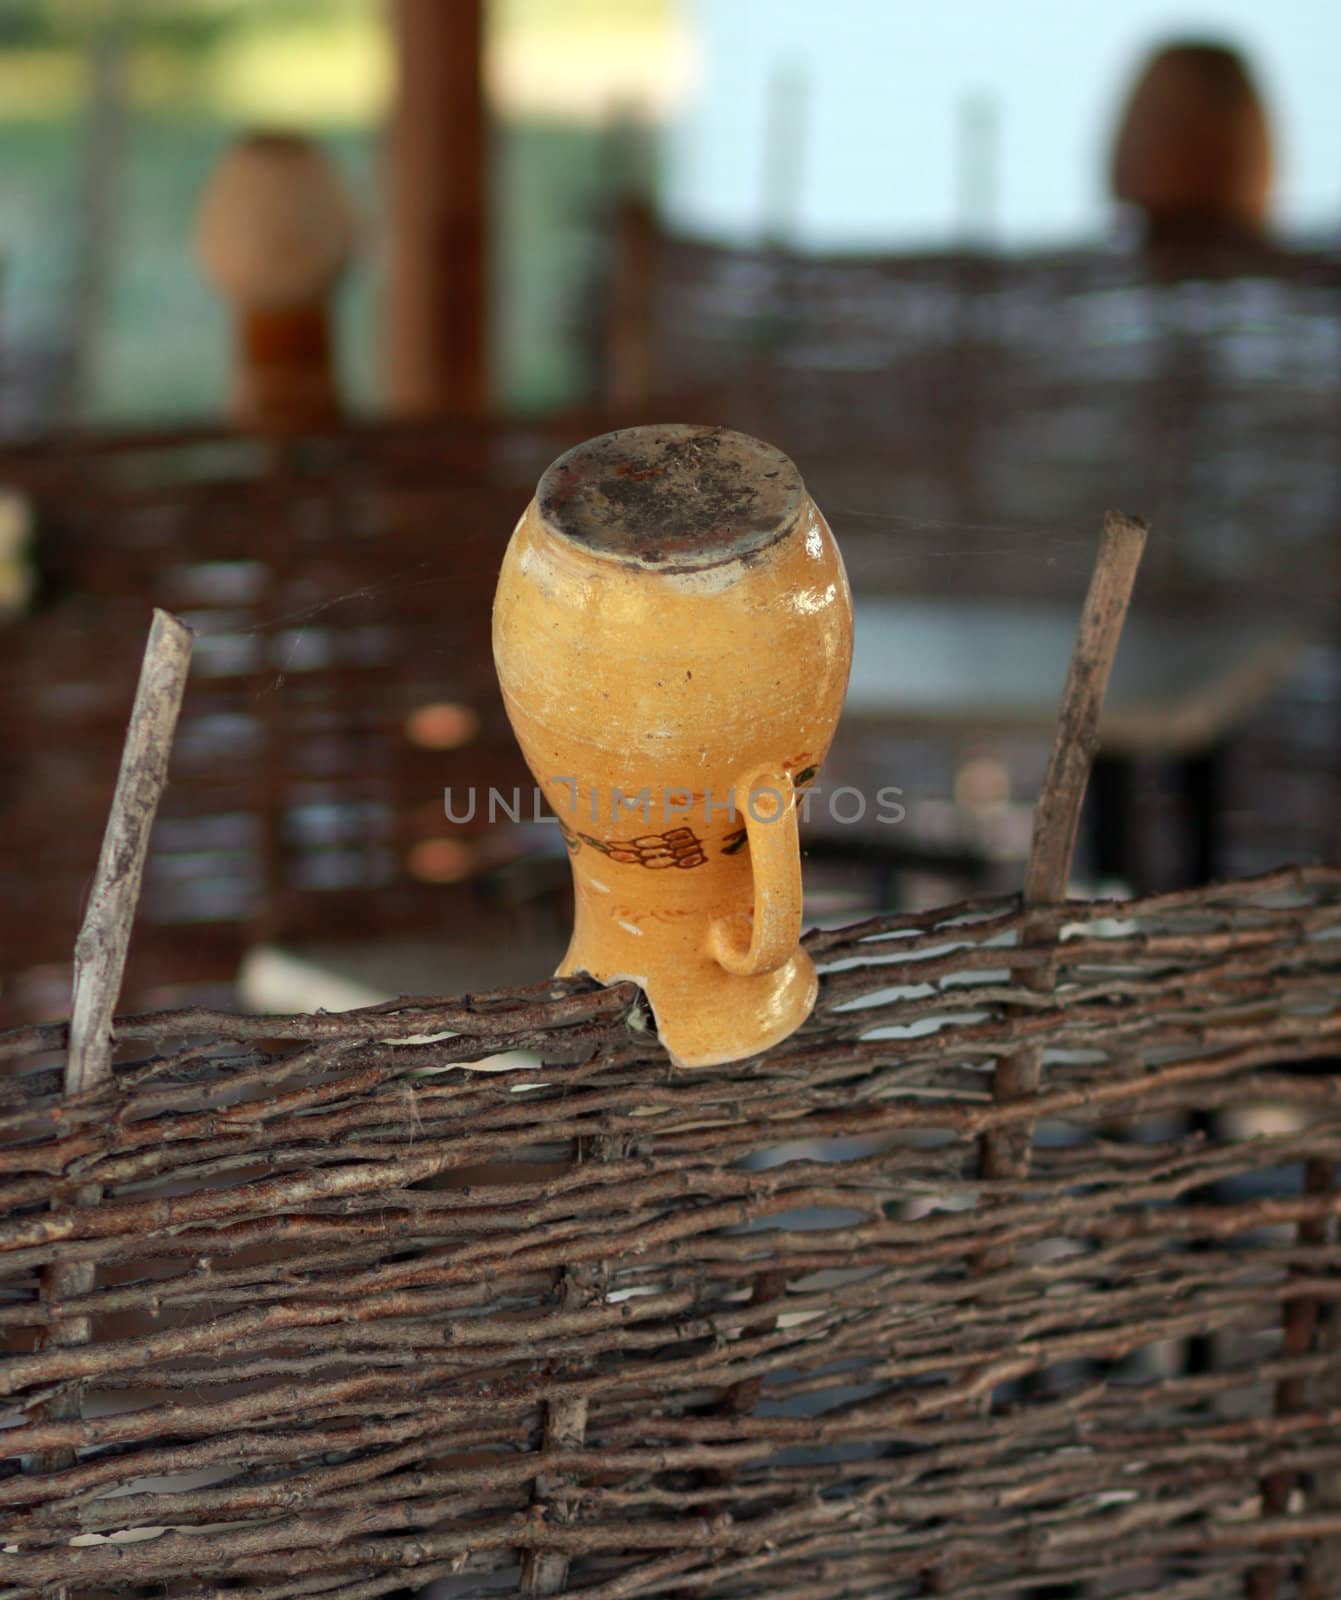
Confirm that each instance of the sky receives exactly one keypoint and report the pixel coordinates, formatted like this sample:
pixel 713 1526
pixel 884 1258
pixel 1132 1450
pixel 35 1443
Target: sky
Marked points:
pixel 870 101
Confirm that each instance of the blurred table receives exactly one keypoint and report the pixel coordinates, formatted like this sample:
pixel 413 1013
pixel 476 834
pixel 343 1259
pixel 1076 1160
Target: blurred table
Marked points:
pixel 1179 690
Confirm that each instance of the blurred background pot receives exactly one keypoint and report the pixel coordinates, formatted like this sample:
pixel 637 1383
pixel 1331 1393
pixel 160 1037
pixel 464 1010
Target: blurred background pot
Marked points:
pixel 274 233
pixel 1193 151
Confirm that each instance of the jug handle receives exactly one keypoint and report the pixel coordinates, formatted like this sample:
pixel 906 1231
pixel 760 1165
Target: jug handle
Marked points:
pixel 775 863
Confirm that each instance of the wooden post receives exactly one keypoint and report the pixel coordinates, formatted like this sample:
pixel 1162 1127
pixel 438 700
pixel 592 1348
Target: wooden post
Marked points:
pixel 98 213
pixel 630 305
pixel 977 169
pixel 437 344
pixel 786 118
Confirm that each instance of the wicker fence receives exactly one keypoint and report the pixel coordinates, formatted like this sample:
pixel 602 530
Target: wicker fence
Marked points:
pixel 1014 1269
pixel 375 1301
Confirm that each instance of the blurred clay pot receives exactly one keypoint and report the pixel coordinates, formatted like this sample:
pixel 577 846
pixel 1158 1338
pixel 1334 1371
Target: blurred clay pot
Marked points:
pixel 672 630
pixel 273 234
pixel 1193 150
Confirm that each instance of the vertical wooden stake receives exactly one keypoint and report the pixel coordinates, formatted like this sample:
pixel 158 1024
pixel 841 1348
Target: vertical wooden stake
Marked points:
pixel 104 937
pixel 104 940
pixel 545 1572
pixel 1005 1151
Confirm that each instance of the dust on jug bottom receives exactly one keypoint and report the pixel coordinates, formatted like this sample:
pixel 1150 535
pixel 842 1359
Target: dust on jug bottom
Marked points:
pixel 706 1016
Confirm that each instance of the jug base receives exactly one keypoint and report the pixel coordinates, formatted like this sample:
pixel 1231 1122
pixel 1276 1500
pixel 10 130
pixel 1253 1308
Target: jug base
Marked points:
pixel 707 1017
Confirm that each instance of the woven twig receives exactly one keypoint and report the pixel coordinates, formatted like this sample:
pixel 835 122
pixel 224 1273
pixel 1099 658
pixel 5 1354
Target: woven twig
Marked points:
pixel 360 1361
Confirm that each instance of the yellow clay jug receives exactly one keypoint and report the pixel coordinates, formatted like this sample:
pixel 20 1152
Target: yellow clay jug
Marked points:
pixel 673 632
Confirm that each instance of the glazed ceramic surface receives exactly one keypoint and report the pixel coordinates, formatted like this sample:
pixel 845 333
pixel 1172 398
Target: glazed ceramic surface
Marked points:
pixel 672 632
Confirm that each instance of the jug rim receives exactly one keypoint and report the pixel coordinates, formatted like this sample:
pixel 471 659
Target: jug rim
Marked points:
pixel 672 497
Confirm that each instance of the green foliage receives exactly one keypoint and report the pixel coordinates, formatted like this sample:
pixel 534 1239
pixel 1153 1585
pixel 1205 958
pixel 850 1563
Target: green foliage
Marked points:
pixel 174 24
pixel 26 24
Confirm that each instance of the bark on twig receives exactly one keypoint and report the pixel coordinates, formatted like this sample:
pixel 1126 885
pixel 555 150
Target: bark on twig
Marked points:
pixel 104 940
pixel 1057 815
pixel 104 937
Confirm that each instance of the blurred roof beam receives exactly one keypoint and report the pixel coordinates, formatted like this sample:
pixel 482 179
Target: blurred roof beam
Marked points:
pixel 437 337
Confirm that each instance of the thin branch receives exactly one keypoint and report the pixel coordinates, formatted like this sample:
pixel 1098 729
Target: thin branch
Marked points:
pixel 1057 815
pixel 104 937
